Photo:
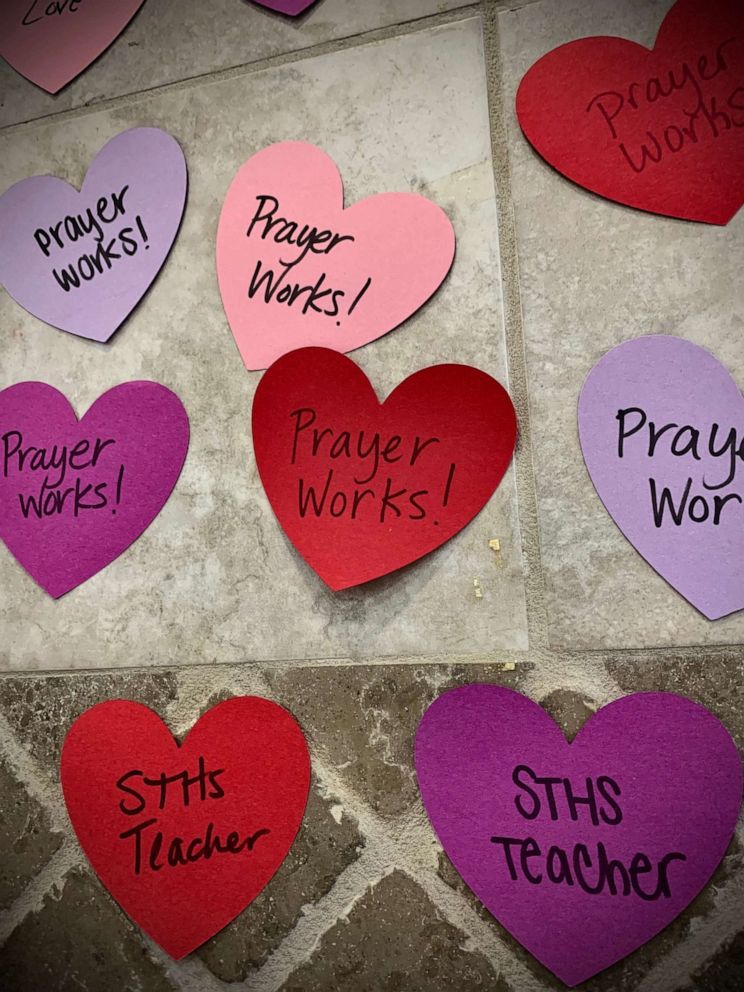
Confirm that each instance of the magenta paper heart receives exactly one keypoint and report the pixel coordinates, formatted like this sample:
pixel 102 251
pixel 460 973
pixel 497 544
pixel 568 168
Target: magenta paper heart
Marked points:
pixel 650 780
pixel 296 269
pixel 76 493
pixel 291 7
pixel 681 506
pixel 52 41
pixel 82 261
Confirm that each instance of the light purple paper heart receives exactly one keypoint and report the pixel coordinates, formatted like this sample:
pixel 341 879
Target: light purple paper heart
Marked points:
pixel 290 7
pixel 682 507
pixel 75 494
pixel 106 243
pixel 666 779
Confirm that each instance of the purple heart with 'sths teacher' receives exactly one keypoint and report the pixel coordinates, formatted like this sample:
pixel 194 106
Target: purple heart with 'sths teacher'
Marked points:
pixel 75 494
pixel 82 261
pixel 582 851
pixel 661 425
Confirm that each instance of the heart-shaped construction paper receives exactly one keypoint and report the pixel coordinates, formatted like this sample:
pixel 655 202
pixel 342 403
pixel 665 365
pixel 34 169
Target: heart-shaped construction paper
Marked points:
pixel 296 269
pixel 362 488
pixel 75 494
pixel 291 7
pixel 52 41
pixel 661 130
pixel 82 261
pixel 661 424
pixel 184 838
pixel 582 851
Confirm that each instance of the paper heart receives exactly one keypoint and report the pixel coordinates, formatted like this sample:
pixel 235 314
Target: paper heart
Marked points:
pixel 669 381
pixel 320 431
pixel 81 261
pixel 295 268
pixel 227 818
pixel 665 777
pixel 75 494
pixel 662 129
pixel 52 41
pixel 291 7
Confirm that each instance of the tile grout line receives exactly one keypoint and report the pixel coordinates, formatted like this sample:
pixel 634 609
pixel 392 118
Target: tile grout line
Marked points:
pixel 348 43
pixel 514 334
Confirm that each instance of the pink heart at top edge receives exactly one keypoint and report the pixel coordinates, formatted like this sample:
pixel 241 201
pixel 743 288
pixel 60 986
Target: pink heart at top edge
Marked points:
pixel 290 7
pixel 396 250
pixel 51 50
pixel 680 781
pixel 674 382
pixel 108 502
pixel 149 165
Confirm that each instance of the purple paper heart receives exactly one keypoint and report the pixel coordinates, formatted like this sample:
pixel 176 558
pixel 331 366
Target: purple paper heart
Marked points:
pixel 81 261
pixel 75 494
pixel 661 424
pixel 291 7
pixel 651 779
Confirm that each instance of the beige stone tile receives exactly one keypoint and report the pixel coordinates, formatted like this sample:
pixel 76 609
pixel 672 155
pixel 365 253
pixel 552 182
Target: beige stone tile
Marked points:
pixel 594 273
pixel 214 579
pixel 169 41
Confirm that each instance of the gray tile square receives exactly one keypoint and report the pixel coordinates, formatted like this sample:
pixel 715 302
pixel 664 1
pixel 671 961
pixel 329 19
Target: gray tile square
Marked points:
pixel 594 273
pixel 214 579
pixel 171 40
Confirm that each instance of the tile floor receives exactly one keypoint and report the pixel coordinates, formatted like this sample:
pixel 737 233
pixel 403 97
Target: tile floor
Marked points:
pixel 404 94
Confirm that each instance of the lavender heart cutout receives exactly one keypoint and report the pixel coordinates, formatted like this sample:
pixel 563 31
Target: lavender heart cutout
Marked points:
pixel 82 261
pixel 75 494
pixel 653 782
pixel 661 424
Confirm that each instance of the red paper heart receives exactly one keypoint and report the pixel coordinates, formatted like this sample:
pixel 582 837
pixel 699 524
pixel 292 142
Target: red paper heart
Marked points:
pixel 591 107
pixel 443 416
pixel 247 748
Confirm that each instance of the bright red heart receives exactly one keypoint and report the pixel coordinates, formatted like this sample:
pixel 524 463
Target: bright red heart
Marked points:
pixel 228 803
pixel 661 130
pixel 363 488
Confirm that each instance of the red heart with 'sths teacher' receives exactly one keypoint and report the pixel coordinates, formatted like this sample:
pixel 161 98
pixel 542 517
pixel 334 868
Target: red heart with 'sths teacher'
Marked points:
pixel 662 129
pixel 184 838
pixel 363 488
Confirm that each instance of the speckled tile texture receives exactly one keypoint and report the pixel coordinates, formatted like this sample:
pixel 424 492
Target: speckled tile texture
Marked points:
pixel 213 602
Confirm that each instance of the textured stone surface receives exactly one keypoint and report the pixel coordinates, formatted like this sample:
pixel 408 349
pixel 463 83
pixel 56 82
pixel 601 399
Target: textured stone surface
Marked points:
pixel 375 110
pixel 169 41
pixel 363 720
pixel 26 839
pixel 569 709
pixel 41 711
pixel 593 274
pixel 327 843
pixel 724 972
pixel 79 941
pixel 393 939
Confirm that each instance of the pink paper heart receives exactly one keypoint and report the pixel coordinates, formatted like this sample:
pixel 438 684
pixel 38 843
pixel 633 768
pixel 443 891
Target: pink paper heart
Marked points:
pixel 51 42
pixel 74 494
pixel 349 276
pixel 82 261
pixel 666 779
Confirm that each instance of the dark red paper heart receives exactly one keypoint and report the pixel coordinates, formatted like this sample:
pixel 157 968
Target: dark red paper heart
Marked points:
pixel 264 772
pixel 469 416
pixel 688 93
